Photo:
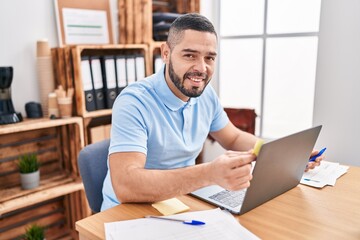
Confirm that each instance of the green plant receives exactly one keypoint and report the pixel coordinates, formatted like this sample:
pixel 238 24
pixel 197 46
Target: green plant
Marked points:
pixel 28 163
pixel 34 232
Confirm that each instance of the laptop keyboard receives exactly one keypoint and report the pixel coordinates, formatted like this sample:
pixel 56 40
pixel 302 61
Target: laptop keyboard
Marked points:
pixel 230 198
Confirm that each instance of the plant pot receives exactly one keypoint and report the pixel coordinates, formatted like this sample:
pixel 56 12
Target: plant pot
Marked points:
pixel 30 180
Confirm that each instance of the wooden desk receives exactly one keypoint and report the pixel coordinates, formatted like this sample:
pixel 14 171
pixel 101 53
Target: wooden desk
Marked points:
pixel 301 213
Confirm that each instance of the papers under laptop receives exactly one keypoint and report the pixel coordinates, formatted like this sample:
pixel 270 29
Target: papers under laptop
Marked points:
pixel 279 168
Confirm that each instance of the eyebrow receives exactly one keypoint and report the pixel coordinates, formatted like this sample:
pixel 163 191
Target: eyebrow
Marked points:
pixel 195 51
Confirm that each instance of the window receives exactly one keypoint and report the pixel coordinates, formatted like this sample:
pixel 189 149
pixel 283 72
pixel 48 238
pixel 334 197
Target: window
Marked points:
pixel 268 53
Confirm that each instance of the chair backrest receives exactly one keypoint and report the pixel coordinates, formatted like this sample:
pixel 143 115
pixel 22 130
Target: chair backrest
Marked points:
pixel 242 118
pixel 92 163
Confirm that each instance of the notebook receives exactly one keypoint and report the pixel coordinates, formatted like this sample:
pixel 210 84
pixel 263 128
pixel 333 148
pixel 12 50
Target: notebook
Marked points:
pixel 279 168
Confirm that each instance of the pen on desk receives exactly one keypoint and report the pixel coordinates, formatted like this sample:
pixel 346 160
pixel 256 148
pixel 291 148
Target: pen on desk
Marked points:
pixel 311 180
pixel 189 222
pixel 313 158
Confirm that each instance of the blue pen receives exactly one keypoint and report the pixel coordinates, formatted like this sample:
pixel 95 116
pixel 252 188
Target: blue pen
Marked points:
pixel 189 222
pixel 313 158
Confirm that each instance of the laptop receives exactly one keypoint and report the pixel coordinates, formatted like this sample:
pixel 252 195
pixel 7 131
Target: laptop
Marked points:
pixel 279 167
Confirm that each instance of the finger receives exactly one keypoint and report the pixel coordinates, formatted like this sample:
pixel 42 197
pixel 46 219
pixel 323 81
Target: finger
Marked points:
pixel 319 159
pixel 239 161
pixel 244 170
pixel 239 186
pixel 312 165
pixel 236 153
pixel 313 153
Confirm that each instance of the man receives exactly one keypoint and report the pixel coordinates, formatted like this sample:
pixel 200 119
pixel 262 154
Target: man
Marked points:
pixel 159 126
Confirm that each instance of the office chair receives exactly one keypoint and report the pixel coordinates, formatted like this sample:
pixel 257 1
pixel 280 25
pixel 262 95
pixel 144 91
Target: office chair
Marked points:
pixel 242 118
pixel 92 163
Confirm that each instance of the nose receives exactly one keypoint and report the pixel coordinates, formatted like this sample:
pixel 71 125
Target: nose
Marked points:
pixel 200 65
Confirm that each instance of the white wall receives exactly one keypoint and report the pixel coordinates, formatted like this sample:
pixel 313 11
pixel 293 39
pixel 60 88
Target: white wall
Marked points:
pixel 338 80
pixel 22 23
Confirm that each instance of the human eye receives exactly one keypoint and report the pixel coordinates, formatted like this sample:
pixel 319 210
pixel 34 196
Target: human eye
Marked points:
pixel 210 58
pixel 189 56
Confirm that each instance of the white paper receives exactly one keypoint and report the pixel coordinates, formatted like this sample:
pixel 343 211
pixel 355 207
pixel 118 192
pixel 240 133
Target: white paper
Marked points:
pixel 85 26
pixel 325 174
pixel 219 225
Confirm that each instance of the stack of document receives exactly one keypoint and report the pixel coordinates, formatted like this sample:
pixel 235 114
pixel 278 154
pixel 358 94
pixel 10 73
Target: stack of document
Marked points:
pixel 325 174
pixel 219 224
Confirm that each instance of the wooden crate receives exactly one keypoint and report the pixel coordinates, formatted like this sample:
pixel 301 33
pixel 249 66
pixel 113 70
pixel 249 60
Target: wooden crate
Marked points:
pixel 64 70
pixel 57 144
pixel 56 148
pixel 57 216
pixel 154 49
pixel 101 50
pixel 135 17
pixel 176 6
pixel 135 21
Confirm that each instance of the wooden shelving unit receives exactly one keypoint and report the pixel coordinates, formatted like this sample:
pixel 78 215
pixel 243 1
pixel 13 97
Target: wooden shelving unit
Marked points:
pixel 100 50
pixel 103 116
pixel 55 204
pixel 135 17
pixel 154 49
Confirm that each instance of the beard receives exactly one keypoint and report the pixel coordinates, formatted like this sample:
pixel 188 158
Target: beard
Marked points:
pixel 193 91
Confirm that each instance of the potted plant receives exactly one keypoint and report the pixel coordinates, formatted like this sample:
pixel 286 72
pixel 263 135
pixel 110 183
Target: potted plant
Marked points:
pixel 29 171
pixel 34 232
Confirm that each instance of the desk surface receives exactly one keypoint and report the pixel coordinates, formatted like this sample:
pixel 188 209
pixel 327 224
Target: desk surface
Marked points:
pixel 301 213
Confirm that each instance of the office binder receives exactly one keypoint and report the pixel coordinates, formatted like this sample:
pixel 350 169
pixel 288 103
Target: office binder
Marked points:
pixel 87 84
pixel 140 67
pixel 158 62
pixel 130 69
pixel 121 75
pixel 109 77
pixel 97 80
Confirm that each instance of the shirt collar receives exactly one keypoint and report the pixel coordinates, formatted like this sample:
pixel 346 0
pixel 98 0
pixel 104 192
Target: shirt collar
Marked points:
pixel 168 97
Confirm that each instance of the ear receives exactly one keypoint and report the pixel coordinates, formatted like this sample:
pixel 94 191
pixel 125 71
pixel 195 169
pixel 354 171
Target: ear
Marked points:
pixel 165 52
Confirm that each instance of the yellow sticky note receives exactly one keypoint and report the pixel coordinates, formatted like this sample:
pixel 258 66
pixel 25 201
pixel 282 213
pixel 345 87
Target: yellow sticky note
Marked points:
pixel 170 206
pixel 257 146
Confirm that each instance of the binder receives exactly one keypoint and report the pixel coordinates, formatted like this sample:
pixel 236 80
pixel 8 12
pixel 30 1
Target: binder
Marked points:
pixel 158 62
pixel 130 69
pixel 121 75
pixel 97 82
pixel 87 84
pixel 109 77
pixel 140 67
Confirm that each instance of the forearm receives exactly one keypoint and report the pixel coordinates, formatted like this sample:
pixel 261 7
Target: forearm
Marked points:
pixel 243 141
pixel 143 185
pixel 232 138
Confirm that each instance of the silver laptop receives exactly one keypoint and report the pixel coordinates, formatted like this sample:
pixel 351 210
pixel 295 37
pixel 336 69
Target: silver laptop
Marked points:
pixel 279 168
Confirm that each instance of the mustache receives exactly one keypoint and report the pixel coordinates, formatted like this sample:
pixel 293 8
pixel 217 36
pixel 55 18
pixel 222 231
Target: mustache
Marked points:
pixel 195 74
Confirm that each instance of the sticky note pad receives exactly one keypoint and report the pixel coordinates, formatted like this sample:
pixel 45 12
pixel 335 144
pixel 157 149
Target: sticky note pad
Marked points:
pixel 257 146
pixel 170 206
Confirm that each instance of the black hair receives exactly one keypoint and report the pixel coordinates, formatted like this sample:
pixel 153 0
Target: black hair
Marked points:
pixel 190 21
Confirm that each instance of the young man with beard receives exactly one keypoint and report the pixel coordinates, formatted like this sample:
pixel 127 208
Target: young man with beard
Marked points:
pixel 160 124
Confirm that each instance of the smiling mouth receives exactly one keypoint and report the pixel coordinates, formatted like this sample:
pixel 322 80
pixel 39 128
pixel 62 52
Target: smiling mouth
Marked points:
pixel 195 79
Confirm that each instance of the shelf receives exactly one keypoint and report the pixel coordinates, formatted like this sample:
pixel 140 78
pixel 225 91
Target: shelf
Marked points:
pixel 46 191
pixel 98 113
pixel 61 207
pixel 40 123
